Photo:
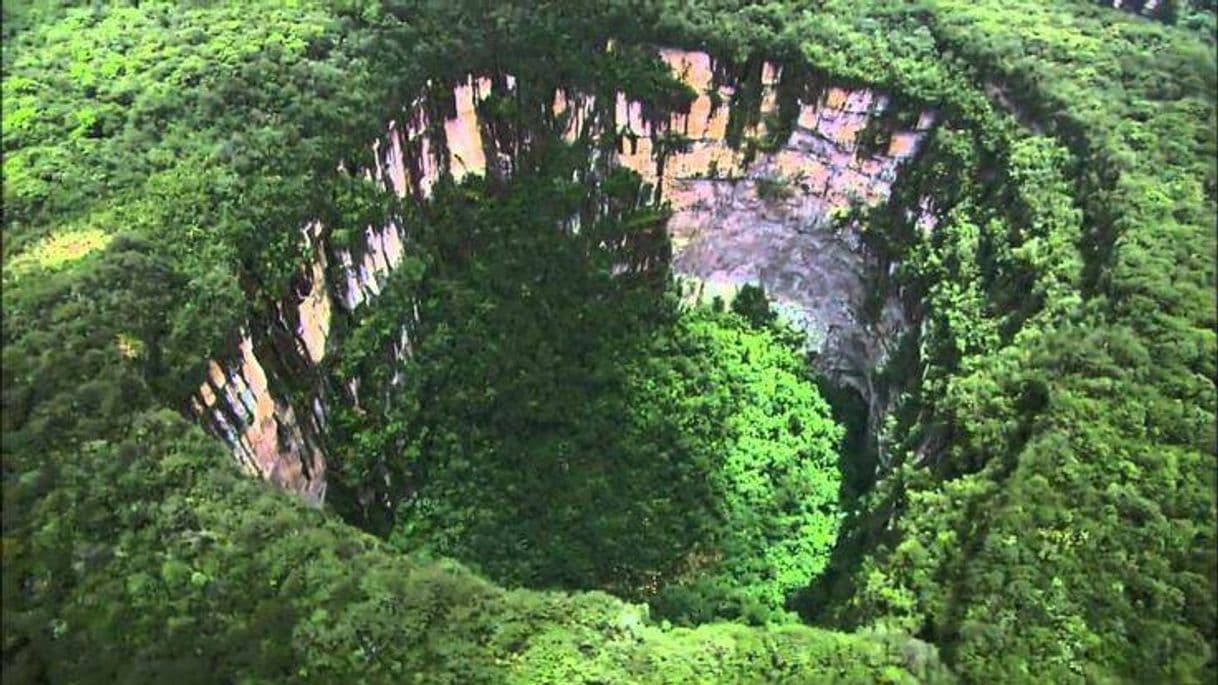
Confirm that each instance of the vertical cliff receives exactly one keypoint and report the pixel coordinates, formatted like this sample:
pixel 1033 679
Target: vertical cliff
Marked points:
pixel 773 208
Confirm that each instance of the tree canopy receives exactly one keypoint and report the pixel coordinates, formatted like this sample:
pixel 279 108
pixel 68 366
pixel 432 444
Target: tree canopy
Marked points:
pixel 1045 508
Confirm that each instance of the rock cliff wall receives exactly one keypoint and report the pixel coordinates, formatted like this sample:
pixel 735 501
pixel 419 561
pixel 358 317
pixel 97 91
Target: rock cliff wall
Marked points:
pixel 757 173
pixel 776 216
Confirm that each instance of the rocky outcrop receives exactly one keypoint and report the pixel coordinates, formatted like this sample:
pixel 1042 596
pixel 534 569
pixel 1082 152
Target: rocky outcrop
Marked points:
pixel 776 220
pixel 237 402
pixel 751 205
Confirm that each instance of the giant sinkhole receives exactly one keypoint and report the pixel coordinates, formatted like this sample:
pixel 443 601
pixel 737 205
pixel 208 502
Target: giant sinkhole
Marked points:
pixel 609 342
pixel 720 176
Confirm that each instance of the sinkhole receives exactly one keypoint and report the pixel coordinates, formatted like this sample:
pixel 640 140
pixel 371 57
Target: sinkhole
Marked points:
pixel 630 332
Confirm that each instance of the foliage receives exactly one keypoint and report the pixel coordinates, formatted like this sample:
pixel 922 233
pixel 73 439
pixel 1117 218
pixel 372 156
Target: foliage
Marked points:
pixel 752 304
pixel 1048 509
pixel 153 559
pixel 1066 366
pixel 557 425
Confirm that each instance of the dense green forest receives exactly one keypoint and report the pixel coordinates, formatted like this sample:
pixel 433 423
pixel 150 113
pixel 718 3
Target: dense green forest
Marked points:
pixel 576 475
pixel 567 428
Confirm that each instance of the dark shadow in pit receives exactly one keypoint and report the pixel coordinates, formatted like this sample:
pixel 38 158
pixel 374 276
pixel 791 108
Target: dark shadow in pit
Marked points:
pixel 858 462
pixel 857 458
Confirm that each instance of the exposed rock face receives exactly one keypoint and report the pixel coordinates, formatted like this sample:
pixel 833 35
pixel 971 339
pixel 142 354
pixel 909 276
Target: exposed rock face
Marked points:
pixel 770 222
pixel 740 217
pixel 264 433
pixel 237 402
